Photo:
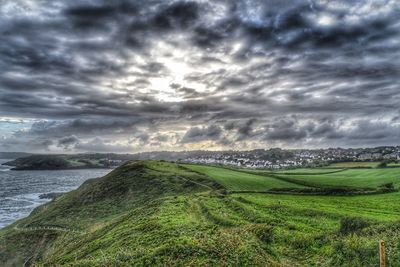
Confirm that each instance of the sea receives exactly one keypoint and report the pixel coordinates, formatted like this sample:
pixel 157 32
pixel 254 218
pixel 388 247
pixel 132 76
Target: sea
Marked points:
pixel 20 190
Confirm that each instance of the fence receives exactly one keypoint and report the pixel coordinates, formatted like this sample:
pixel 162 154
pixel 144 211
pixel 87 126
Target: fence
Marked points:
pixel 382 257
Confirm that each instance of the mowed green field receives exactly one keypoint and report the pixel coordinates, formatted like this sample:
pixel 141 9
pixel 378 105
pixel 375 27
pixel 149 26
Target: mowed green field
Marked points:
pixel 241 181
pixel 261 181
pixel 295 171
pixel 381 207
pixel 304 171
pixel 355 164
pixel 362 178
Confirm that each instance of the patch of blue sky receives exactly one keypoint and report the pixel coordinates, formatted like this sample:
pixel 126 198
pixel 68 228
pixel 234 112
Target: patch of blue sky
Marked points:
pixel 10 126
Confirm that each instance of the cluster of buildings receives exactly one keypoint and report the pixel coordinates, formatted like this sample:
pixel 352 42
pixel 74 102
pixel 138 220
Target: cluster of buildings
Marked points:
pixel 246 162
pixel 279 158
pixel 274 158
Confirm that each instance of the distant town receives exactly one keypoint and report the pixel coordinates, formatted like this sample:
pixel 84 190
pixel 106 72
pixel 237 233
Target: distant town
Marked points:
pixel 274 158
pixel 278 158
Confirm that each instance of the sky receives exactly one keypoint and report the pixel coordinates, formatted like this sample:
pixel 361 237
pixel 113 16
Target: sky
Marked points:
pixel 130 76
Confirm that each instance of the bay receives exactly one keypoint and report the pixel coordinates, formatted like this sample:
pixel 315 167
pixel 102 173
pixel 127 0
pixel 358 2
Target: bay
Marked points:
pixel 20 190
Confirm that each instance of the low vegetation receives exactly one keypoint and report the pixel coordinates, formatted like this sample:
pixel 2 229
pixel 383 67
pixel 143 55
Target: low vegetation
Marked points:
pixel 355 164
pixel 349 225
pixel 58 162
pixel 165 214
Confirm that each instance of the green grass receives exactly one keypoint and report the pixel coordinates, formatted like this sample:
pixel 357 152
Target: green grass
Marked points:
pixel 392 164
pixel 319 179
pixel 298 171
pixel 310 171
pixel 241 181
pixel 383 207
pixel 355 164
pixel 361 178
pixel 163 214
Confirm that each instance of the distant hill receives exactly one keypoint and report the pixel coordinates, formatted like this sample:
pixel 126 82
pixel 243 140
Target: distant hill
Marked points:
pixel 62 162
pixel 106 160
pixel 92 160
pixel 13 155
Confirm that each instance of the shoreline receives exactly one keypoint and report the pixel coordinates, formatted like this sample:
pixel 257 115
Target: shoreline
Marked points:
pixel 37 187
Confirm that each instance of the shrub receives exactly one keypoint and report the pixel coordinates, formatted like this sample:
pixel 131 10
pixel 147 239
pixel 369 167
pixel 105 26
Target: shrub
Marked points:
pixel 302 242
pixel 350 225
pixel 264 233
pixel 383 164
pixel 354 250
pixel 389 186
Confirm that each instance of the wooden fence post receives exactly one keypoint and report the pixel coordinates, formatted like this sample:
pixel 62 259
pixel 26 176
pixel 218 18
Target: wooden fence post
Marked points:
pixel 382 258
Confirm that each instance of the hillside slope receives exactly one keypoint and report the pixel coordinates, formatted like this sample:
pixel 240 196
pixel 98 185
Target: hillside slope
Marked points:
pixel 58 162
pixel 162 214
pixel 100 201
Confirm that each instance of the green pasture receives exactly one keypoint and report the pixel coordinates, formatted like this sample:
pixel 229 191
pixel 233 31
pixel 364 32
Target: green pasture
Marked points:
pixel 236 180
pixel 165 214
pixel 362 178
pixel 355 164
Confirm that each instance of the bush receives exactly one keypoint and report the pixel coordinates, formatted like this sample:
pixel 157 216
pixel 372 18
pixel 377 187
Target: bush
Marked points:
pixel 355 251
pixel 383 164
pixel 389 186
pixel 350 225
pixel 264 233
pixel 301 241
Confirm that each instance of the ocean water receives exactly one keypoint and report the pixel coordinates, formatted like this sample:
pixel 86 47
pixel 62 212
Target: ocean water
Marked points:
pixel 20 190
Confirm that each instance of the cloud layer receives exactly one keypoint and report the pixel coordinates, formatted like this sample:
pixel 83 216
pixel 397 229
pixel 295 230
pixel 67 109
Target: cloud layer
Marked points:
pixel 128 76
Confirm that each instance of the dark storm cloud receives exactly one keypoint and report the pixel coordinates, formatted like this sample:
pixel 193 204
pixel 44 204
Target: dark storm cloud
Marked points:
pixel 85 68
pixel 360 132
pixel 285 130
pixel 290 24
pixel 177 15
pixel 102 146
pixel 34 144
pixel 366 130
pixel 197 134
pixel 243 129
pixel 68 141
pixel 80 126
pixel 95 13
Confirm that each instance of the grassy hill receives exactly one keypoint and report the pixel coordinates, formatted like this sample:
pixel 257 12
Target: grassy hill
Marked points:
pixel 57 162
pixel 150 213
